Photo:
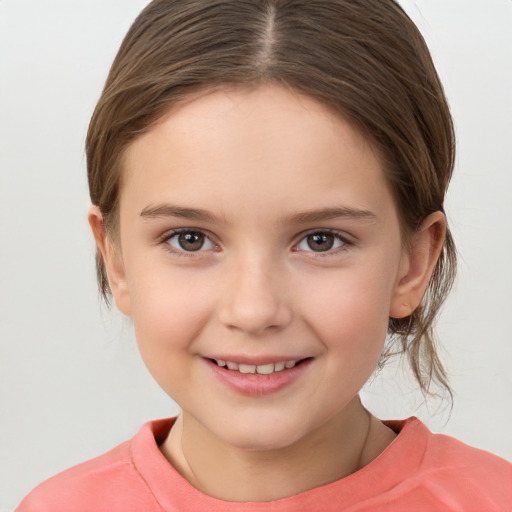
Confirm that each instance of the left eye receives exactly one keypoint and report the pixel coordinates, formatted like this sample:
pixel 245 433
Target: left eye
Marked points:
pixel 190 241
pixel 320 242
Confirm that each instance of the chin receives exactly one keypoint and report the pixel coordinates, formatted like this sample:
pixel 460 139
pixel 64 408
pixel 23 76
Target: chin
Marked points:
pixel 262 435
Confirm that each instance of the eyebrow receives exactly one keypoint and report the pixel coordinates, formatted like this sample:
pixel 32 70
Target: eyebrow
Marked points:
pixel 168 210
pixel 317 215
pixel 331 213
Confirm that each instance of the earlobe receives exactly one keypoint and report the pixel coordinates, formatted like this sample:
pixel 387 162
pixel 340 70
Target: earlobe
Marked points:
pixel 419 263
pixel 112 260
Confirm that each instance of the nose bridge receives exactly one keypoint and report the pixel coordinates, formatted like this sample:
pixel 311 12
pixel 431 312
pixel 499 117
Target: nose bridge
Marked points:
pixel 255 299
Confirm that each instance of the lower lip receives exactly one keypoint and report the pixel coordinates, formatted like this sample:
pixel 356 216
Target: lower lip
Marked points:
pixel 253 384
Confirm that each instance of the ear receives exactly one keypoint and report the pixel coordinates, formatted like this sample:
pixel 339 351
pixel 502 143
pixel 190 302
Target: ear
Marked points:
pixel 417 266
pixel 112 260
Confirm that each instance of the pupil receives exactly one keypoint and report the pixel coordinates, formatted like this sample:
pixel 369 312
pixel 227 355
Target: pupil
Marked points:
pixel 321 242
pixel 191 241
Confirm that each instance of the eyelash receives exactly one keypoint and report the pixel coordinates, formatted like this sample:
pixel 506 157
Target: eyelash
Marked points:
pixel 346 243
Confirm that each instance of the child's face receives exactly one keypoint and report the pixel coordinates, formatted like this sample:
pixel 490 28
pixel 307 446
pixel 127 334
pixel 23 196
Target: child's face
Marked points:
pixel 289 250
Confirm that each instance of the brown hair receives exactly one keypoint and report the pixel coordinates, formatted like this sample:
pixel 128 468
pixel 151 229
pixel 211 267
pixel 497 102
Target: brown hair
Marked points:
pixel 364 59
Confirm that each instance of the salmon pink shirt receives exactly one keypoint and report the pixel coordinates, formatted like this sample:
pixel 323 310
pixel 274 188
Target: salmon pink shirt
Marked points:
pixel 419 471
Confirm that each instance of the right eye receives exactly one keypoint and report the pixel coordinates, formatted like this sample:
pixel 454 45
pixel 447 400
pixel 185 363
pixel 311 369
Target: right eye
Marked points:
pixel 189 241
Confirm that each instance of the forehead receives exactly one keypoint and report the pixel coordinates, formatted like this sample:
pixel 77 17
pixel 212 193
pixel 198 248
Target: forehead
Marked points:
pixel 269 144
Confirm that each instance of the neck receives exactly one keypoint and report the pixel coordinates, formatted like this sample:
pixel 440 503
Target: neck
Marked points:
pixel 335 450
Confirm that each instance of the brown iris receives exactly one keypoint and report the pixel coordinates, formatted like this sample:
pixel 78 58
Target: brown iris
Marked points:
pixel 320 242
pixel 191 241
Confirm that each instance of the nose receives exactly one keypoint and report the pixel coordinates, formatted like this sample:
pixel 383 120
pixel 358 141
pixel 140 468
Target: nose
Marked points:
pixel 255 299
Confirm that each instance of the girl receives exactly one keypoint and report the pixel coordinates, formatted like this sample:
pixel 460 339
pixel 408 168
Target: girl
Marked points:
pixel 267 181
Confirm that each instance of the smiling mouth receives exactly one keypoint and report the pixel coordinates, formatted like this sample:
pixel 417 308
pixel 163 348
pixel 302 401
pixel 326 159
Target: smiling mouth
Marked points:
pixel 261 369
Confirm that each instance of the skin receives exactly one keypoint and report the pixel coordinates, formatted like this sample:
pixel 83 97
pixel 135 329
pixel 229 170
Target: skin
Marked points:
pixel 254 160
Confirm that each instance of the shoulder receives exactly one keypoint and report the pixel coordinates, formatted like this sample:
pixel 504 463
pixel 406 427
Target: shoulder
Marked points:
pixel 445 452
pixel 455 474
pixel 109 482
pixel 473 468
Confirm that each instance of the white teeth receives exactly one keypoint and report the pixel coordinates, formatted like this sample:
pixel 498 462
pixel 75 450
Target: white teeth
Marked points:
pixel 247 368
pixel 262 369
pixel 279 367
pixel 265 369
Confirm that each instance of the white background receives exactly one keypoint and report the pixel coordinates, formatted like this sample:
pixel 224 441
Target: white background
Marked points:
pixel 71 382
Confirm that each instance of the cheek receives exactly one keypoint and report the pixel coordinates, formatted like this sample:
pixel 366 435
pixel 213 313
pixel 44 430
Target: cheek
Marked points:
pixel 169 309
pixel 350 312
